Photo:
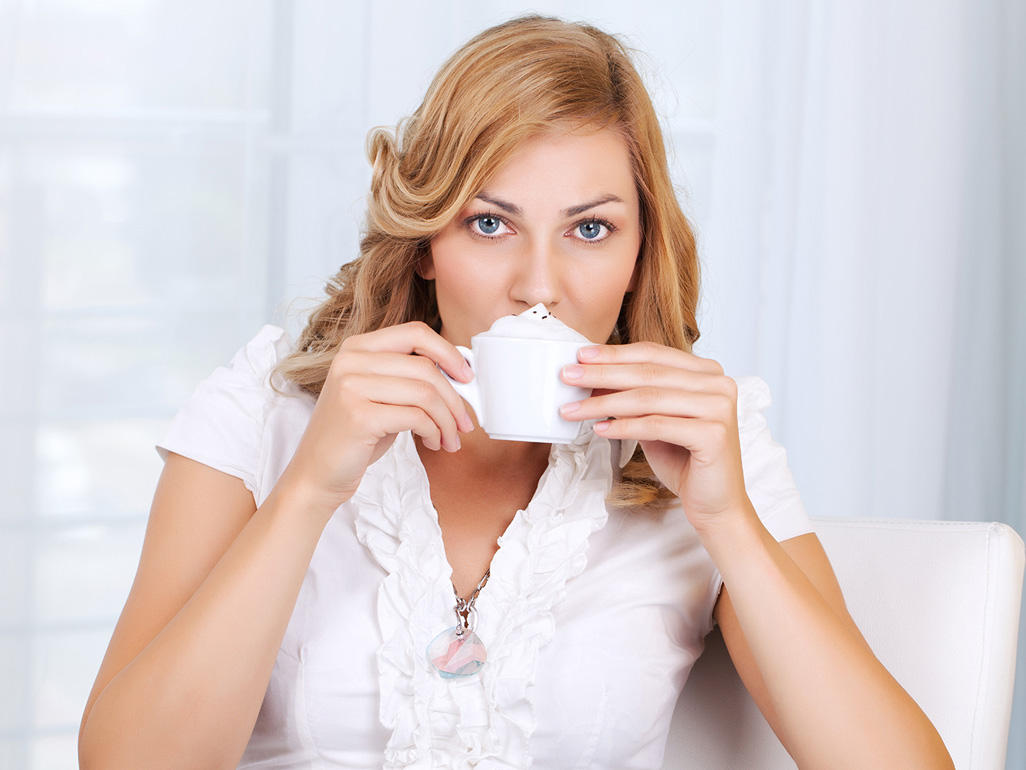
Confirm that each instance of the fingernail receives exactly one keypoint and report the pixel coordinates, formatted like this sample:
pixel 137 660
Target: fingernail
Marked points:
pixel 467 371
pixel 573 372
pixel 466 423
pixel 588 354
pixel 570 408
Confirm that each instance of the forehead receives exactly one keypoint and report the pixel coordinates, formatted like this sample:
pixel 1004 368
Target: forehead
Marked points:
pixel 561 164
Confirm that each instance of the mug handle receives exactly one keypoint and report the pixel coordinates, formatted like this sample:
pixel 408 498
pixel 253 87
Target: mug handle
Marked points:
pixel 469 390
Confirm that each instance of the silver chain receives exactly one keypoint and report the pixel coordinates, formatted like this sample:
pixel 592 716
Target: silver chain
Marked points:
pixel 466 615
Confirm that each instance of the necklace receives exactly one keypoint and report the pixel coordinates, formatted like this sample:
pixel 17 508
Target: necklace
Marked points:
pixel 458 651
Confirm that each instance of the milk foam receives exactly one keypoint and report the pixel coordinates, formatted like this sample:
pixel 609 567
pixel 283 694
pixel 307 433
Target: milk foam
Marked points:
pixel 534 323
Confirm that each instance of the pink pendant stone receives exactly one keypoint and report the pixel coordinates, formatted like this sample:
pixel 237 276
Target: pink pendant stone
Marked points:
pixel 455 656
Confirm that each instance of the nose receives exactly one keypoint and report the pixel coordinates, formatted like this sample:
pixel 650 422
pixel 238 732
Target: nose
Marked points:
pixel 537 277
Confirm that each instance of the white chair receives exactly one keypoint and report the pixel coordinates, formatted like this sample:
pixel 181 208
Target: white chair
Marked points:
pixel 937 601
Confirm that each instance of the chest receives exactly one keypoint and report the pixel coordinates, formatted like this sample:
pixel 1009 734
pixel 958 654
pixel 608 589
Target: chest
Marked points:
pixel 472 516
pixel 607 652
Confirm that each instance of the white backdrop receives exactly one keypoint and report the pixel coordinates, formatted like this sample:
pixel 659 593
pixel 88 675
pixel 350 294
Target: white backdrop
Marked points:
pixel 175 173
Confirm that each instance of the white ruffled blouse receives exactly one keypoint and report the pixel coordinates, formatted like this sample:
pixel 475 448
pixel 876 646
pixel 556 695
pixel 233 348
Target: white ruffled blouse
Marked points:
pixel 592 617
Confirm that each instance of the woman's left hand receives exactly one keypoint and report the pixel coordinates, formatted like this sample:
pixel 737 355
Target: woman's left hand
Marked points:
pixel 683 411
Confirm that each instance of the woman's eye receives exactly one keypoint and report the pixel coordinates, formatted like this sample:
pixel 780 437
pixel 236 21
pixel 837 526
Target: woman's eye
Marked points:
pixel 592 230
pixel 487 224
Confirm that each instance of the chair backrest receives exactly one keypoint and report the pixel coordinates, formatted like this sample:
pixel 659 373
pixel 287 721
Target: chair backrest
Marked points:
pixel 937 601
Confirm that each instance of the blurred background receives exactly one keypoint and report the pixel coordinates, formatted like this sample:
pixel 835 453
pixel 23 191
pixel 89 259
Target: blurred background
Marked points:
pixel 173 174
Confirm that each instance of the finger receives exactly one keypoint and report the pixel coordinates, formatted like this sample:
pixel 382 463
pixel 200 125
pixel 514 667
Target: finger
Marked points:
pixel 401 391
pixel 639 352
pixel 650 374
pixel 395 419
pixel 702 438
pixel 410 367
pixel 417 338
pixel 651 401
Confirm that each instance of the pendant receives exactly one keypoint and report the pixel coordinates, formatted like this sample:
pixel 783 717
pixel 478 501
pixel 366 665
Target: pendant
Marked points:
pixel 454 655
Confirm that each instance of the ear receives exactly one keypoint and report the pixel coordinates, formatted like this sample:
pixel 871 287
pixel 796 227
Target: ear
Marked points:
pixel 426 267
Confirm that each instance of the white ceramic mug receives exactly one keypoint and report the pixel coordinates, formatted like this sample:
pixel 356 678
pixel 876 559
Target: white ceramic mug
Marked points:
pixel 517 388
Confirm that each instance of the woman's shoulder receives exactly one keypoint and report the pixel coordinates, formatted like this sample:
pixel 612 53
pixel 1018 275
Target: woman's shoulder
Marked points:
pixel 753 399
pixel 222 424
pixel 263 352
pixel 753 393
pixel 250 375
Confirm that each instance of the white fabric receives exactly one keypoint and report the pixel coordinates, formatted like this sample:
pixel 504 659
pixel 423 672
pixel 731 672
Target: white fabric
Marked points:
pixel 592 617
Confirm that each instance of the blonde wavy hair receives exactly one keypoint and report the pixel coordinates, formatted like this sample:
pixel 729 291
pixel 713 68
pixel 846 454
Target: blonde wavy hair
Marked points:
pixel 509 83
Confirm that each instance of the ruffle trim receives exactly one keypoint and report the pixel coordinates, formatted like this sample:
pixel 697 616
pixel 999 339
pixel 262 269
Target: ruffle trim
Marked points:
pixel 484 720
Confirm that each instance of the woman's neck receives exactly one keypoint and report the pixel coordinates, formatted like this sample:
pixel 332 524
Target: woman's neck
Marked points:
pixel 481 455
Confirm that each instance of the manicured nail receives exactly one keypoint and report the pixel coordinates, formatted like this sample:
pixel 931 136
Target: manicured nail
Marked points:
pixel 573 372
pixel 467 371
pixel 570 408
pixel 588 354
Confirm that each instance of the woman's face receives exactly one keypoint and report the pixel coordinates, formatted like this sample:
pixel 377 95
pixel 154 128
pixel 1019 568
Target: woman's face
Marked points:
pixel 559 223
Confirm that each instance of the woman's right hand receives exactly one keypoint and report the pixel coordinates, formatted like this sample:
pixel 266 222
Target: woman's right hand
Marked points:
pixel 379 384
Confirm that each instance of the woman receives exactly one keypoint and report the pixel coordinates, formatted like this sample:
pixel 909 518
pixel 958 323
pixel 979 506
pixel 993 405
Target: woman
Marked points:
pixel 309 538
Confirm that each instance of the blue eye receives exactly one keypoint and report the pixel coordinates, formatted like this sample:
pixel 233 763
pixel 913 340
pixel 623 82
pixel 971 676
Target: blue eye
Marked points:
pixel 590 230
pixel 487 224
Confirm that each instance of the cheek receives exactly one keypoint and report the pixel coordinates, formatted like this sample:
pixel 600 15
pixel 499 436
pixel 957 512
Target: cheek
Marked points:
pixel 601 294
pixel 448 262
pixel 459 275
pixel 615 277
pixel 464 287
pixel 465 265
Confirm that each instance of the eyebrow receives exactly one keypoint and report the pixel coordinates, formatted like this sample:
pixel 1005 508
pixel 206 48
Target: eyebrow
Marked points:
pixel 512 208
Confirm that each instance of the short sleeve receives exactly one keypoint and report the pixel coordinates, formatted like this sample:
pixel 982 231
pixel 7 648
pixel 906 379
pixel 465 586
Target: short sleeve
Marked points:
pixel 221 424
pixel 768 479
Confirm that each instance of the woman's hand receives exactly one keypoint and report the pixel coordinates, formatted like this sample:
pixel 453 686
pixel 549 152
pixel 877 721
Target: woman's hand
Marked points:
pixel 682 409
pixel 379 384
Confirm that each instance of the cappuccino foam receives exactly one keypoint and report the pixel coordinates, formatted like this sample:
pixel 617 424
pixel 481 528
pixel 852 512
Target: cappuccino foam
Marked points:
pixel 534 323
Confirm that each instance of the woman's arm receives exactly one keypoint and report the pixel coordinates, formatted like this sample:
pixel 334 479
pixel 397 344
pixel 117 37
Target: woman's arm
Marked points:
pixel 828 699
pixel 189 662
pixel 831 702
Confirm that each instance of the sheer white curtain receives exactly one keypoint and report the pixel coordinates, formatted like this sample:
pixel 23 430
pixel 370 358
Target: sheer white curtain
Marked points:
pixel 133 255
pixel 867 253
pixel 174 174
